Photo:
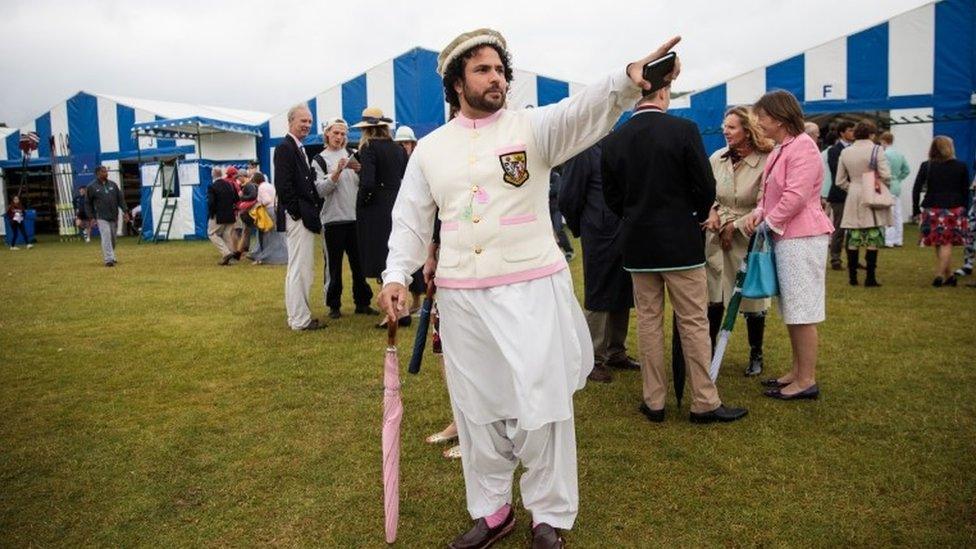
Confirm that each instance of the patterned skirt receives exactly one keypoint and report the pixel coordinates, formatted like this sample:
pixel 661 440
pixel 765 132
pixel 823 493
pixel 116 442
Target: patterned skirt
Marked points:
pixel 942 226
pixel 870 237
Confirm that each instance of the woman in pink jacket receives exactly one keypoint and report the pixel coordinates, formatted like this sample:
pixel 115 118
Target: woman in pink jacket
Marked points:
pixel 790 208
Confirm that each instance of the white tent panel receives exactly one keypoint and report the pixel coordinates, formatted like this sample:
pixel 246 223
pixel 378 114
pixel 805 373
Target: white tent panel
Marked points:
pixel 825 68
pixel 745 89
pixel 523 91
pixel 278 125
pixel 225 146
pixel 379 89
pixel 59 119
pixel 911 52
pixel 108 125
pixel 145 116
pixel 183 223
pixel 3 147
pixel 328 104
pixel 683 102
pixel 913 141
pixel 170 109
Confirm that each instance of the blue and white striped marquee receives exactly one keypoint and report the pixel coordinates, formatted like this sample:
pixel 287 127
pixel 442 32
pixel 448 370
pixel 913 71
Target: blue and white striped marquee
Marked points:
pixel 919 65
pixel 408 90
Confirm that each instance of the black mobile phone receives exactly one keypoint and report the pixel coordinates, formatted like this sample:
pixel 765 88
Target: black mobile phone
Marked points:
pixel 656 71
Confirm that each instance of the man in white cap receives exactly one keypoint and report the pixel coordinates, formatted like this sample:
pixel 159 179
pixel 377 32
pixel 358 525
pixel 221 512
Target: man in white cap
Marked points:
pixel 405 137
pixel 515 341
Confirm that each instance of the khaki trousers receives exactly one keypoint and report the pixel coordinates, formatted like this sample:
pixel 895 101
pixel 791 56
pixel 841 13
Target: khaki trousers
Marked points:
pixel 298 278
pixel 688 292
pixel 220 234
pixel 608 330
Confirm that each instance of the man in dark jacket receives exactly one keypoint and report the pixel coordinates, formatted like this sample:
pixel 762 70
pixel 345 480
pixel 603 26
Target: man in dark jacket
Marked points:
pixel 838 196
pixel 221 198
pixel 295 186
pixel 608 294
pixel 103 202
pixel 657 178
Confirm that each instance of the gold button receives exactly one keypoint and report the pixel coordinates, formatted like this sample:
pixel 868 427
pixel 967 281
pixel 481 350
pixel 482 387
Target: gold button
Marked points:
pixel 475 134
pixel 478 250
pixel 474 188
pixel 475 219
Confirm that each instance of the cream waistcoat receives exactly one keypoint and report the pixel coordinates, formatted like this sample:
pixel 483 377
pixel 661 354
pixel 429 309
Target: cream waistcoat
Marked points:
pixel 492 187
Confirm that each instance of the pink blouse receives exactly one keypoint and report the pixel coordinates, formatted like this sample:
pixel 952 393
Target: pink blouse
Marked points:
pixel 791 194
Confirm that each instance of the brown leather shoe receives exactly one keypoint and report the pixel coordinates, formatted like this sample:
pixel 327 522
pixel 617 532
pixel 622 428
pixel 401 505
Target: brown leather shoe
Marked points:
pixel 625 363
pixel 313 324
pixel 545 536
pixel 600 374
pixel 481 536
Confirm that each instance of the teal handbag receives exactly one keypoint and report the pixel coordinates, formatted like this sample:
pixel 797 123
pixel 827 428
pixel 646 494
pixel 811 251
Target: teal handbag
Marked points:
pixel 760 279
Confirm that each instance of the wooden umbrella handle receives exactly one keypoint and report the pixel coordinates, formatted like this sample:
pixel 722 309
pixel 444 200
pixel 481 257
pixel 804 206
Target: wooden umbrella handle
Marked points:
pixel 391 329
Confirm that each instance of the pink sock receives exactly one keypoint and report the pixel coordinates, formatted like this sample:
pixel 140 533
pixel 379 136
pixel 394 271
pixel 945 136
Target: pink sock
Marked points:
pixel 498 516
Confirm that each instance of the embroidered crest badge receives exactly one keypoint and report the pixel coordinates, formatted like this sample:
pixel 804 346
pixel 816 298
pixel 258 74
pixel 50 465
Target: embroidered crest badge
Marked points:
pixel 516 167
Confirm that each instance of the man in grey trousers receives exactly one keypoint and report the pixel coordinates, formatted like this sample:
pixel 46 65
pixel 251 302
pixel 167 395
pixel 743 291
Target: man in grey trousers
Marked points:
pixel 103 200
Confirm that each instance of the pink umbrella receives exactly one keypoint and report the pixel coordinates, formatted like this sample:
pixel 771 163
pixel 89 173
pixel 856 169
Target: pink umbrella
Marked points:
pixel 392 414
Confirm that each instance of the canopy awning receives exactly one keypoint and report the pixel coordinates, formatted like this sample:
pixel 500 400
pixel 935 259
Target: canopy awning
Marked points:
pixel 191 128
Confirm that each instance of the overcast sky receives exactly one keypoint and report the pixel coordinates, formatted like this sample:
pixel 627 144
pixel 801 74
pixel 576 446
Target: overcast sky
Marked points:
pixel 267 55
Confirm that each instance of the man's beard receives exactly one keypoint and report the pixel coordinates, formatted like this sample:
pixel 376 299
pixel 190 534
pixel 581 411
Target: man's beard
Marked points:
pixel 481 102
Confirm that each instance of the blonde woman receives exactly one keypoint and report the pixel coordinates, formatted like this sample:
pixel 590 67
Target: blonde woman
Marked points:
pixel 738 169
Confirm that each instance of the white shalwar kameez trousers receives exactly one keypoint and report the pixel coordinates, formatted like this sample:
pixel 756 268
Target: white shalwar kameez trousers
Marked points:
pixel 516 343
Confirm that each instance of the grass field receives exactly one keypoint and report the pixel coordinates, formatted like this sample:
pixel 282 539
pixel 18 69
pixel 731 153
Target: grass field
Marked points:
pixel 164 402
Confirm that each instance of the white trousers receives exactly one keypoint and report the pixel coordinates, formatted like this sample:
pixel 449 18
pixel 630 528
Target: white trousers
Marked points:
pixel 894 233
pixel 298 280
pixel 490 453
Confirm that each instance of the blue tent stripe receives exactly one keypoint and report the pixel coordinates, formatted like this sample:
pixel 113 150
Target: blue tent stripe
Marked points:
pixel 405 91
pixel 264 149
pixel 867 63
pixel 550 91
pixel 199 197
pixel 126 118
pixel 354 98
pixel 83 136
pixel 43 128
pixel 13 142
pixel 955 73
pixel 316 130
pixel 787 75
pixel 164 143
pixel 147 213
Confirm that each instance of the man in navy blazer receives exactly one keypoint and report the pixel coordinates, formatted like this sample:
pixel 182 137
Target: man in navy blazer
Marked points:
pixel 295 186
pixel 657 179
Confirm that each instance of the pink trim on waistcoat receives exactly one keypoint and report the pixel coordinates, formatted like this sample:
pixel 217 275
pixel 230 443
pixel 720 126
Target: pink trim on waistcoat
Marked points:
pixel 517 219
pixel 501 280
pixel 449 225
pixel 507 149
pixel 473 124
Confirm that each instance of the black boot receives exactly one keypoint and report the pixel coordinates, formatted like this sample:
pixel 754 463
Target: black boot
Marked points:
pixel 715 313
pixel 871 257
pixel 852 260
pixel 756 328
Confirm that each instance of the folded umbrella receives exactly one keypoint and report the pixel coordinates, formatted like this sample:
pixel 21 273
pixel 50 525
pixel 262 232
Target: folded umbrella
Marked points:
pixel 420 339
pixel 392 415
pixel 731 311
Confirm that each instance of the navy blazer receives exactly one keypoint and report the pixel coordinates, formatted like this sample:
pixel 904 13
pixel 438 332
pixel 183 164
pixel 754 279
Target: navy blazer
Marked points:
pixel 295 185
pixel 657 179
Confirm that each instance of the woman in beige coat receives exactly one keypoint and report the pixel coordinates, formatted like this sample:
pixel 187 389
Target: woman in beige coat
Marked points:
pixel 864 225
pixel 738 170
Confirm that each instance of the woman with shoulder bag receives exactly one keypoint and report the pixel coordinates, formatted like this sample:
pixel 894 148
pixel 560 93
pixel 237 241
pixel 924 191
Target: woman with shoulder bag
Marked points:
pixel 790 208
pixel 943 221
pixel 864 172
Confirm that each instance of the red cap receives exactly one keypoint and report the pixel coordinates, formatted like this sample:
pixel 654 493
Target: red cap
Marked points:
pixel 231 171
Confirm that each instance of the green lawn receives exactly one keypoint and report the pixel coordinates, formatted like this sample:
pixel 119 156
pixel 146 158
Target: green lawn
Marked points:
pixel 164 402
